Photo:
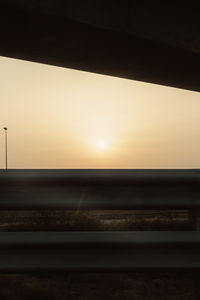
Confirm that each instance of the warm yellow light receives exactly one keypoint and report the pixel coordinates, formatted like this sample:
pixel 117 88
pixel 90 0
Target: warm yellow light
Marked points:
pixel 102 145
pixel 64 118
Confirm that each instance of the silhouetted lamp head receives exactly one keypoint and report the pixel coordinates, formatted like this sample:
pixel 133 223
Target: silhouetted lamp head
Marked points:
pixel 5 128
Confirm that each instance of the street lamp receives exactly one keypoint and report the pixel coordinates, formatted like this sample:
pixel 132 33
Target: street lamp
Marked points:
pixel 6 147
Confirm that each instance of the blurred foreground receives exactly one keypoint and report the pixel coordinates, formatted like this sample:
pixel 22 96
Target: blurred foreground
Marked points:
pixel 133 286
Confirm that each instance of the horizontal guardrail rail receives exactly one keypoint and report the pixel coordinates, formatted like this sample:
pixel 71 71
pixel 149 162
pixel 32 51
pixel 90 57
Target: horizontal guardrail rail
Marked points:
pixel 99 189
pixel 99 251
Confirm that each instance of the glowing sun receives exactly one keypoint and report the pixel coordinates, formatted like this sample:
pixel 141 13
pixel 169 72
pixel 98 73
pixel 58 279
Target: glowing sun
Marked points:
pixel 102 145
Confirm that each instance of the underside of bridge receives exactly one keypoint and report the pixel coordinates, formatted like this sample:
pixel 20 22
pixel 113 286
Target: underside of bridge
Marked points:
pixel 146 41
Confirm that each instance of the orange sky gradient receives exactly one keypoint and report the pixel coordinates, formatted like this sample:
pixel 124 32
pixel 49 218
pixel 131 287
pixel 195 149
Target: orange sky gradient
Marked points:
pixel 63 118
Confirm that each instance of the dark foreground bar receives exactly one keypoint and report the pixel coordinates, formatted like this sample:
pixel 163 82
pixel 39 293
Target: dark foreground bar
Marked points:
pixel 99 251
pixel 99 189
pixel 98 176
pixel 38 32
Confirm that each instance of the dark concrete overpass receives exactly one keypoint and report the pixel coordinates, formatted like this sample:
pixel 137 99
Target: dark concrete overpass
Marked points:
pixel 152 42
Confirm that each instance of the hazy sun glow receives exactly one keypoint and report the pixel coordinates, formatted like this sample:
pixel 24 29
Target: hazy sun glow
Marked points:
pixel 63 118
pixel 102 144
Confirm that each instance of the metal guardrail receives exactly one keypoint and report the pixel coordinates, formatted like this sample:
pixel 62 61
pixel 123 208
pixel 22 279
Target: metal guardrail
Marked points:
pixel 99 251
pixel 99 189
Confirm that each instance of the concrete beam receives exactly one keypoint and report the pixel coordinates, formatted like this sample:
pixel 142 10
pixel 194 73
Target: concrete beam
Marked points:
pixel 57 40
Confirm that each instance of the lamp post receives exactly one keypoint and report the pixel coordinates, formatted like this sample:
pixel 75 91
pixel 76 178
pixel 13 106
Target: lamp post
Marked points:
pixel 6 147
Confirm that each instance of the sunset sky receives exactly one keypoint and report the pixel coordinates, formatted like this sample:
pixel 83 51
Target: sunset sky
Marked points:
pixel 63 118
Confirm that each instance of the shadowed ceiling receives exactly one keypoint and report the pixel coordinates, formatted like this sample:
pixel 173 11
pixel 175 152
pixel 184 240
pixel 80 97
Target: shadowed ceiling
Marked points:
pixel 152 42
